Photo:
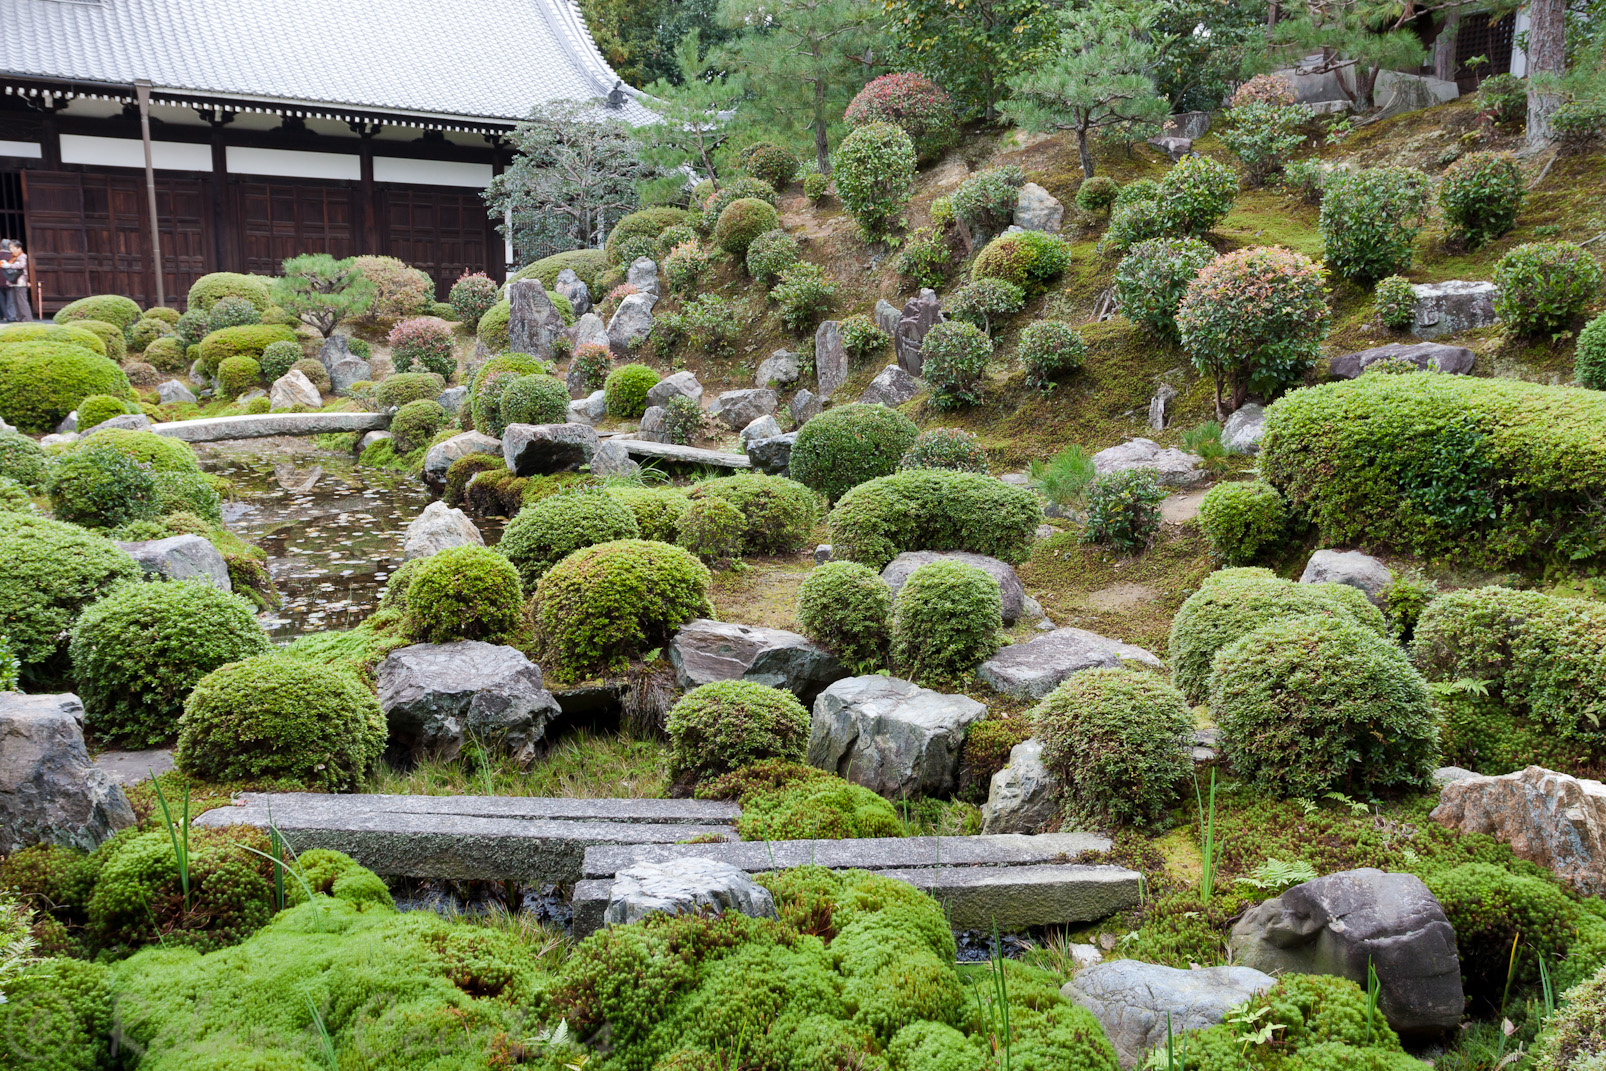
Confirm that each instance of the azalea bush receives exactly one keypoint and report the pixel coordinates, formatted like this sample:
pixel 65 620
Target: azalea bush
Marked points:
pixel 1050 349
pixel 1370 218
pixel 1480 195
pixel 955 358
pixel 424 341
pixel 1544 285
pixel 1195 195
pixel 805 294
pixel 1152 279
pixel 1263 125
pixel 913 102
pixel 472 297
pixel 874 168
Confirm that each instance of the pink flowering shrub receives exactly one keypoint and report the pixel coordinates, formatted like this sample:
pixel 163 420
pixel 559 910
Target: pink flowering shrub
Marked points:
pixel 912 101
pixel 610 304
pixel 423 341
pixel 472 296
pixel 590 365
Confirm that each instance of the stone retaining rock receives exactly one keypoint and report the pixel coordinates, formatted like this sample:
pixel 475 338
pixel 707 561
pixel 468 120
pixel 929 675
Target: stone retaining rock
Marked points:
pixel 1360 571
pixel 772 455
pixel 830 358
pixel 1011 592
pixel 704 651
pixel 181 557
pixel 574 288
pixel 439 457
pixel 172 392
pixel 1549 818
pixel 49 790
pixel 1244 429
pixel 292 389
pixel 1023 795
pixel 764 427
pixel 891 736
pixel 738 408
pixel 682 384
pixel 1172 467
pixel 1453 306
pixel 541 449
pixel 333 350
pixel 685 886
pixel 631 324
pixel 1428 356
pixel 654 425
pixel 779 369
pixel 438 528
pixel 1032 669
pixel 891 387
pixel 439 696
pixel 1133 999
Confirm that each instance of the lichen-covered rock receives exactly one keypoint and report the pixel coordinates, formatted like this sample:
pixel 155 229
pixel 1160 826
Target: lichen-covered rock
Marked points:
pixel 1549 818
pixel 631 324
pixel 49 790
pixel 1038 210
pixel 643 275
pixel 1023 795
pixel 890 735
pixel 830 357
pixel 685 886
pixel 891 387
pixel 1428 356
pixel 611 458
pixel 181 557
pixel 772 455
pixel 439 696
pixel 1360 571
pixel 541 449
pixel 1032 669
pixel 172 392
pixel 920 314
pixel 292 389
pixel 1453 306
pixel 1012 593
pixel 1172 467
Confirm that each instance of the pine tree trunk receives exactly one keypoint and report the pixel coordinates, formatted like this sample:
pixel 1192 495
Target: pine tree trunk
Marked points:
pixel 822 149
pixel 1081 147
pixel 1547 59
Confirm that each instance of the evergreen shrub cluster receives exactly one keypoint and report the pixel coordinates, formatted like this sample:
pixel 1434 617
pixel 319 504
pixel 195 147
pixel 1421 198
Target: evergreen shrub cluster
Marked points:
pixel 933 509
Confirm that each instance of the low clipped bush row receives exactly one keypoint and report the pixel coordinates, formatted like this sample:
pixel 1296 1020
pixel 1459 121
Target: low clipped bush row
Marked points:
pixel 933 509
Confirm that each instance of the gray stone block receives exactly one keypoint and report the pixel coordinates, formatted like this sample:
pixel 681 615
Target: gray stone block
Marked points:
pixel 439 457
pixel 1351 567
pixel 689 455
pixel 349 371
pixel 181 557
pixel 266 425
pixel 772 455
pixel 540 449
pixel 738 408
pixel 49 791
pixel 1453 306
pixel 685 886
pixel 1244 429
pixel 683 384
pixel 1428 356
pixel 1032 669
pixel 122 422
pixel 1137 1002
pixel 612 458
pixel 705 651
pixel 438 696
pixel 891 736
pixel 891 387
pixel 172 392
pixel 1023 795
pixel 779 369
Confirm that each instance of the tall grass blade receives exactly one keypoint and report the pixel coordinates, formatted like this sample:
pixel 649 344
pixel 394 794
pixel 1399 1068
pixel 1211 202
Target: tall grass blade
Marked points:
pixel 180 836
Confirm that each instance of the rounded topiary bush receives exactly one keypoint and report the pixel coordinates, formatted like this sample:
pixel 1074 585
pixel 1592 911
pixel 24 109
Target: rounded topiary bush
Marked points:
pixel 188 492
pixel 874 169
pixel 912 102
pixel 1370 218
pixel 277 359
pixel 236 375
pixel 1481 194
pixel 825 809
pixel 955 358
pixel 49 572
pixel 137 653
pixel 492 329
pixel 726 724
pixel 1050 349
pixel 113 309
pixel 99 486
pixel 711 528
pixel 110 335
pixel 945 448
pixel 1309 705
pixel 741 222
pixel 161 454
pixel 485 393
pixel 278 718
pixel 848 608
pixel 537 399
pixel 1195 195
pixel 232 312
pixel 98 408
pixel 472 297
pixel 166 354
pixel 779 513
pixel 21 459
pixel 42 381
pixel 415 424
pixel 1097 194
pixel 933 509
pixel 546 532
pixel 1589 361
pixel 425 341
pixel 770 254
pixel 465 593
pixel 1544 285
pixel 208 290
pixel 72 334
pixel 656 508
pixel 626 390
pixel 1395 301
pixel 602 604
pixel 1243 520
pixel 945 621
pixel 247 341
pixel 1117 740
pixel 1152 279
pixel 1028 259
pixel 715 202
pixel 395 391
pixel 844 447
pixel 647 223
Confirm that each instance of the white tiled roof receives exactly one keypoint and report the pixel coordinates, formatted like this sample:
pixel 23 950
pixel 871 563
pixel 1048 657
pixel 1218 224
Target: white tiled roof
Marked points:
pixel 481 59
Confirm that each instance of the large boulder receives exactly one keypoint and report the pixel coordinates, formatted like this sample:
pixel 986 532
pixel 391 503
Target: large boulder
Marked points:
pixel 738 408
pixel 704 651
pixel 1011 592
pixel 1549 818
pixel 772 455
pixel 587 330
pixel 764 427
pixel 1023 795
pixel 333 350
pixel 830 357
pixel 612 458
pixel 1038 210
pixel 920 314
pixel 891 387
pixel 438 528
pixel 1032 669
pixel 683 887
pixel 891 735
pixel 292 389
pixel 1172 467
pixel 452 398
pixel 1453 306
pixel 532 320
pixel 349 371
pixel 643 275
pixel 574 288
pixel 539 449
pixel 1428 356
pixel 172 392
pixel 680 384
pixel 1138 1002
pixel 181 557
pixel 779 369
pixel 1340 923
pixel 1242 432
pixel 439 457
pixel 631 324
pixel 439 696
pixel 654 424
pixel 1360 571
pixel 49 790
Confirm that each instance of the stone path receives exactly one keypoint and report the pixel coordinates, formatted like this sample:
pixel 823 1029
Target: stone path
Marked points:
pixel 263 425
pixel 132 767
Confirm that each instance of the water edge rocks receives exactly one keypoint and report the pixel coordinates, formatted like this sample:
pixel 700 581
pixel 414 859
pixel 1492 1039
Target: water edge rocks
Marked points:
pixel 439 527
pixel 540 449
pixel 439 457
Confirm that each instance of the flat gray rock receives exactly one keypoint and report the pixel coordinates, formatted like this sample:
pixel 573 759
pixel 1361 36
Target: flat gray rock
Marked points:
pixel 830 357
pixel 1428 356
pixel 772 455
pixel 122 422
pixel 1032 669
pixel 1132 999
pixel 1453 306
pixel 439 696
pixel 1350 567
pixel 349 371
pixel 540 449
pixel 891 387
pixel 685 886
pixel 438 528
pixel 891 736
pixel 1172 467
pixel 181 557
pixel 705 651
pixel 680 384
pixel 1023 795
pixel 439 457
pixel 292 389
pixel 172 392
pixel 49 790
pixel 1244 429
pixel 132 767
pixel 1011 592
pixel 738 408
pixel 779 369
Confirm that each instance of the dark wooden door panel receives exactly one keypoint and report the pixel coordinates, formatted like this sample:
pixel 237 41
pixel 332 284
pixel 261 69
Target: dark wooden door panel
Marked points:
pixel 441 231
pixel 282 220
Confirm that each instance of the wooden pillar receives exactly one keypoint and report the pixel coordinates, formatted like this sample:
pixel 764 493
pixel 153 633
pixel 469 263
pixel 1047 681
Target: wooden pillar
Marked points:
pixel 142 91
pixel 367 211
pixel 222 260
pixel 50 138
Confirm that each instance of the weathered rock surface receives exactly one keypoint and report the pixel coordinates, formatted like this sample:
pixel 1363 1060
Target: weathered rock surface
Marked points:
pixel 1038 210
pixel 704 651
pixel 1453 306
pixel 532 321
pixel 654 425
pixel 830 358
pixel 643 275
pixel 612 459
pixel 772 455
pixel 1444 775
pixel 172 392
pixel 779 369
pixel 349 371
pixel 1339 923
pixel 539 449
pixel 1360 571
pixel 452 398
pixel 197 376
pixel 920 314
pixel 1172 467
pixel 631 324
pixel 1023 795
pixel 1190 125
pixel 685 886
pixel 292 389
pixel 738 408
pixel 890 735
pixel 596 405
pixel 764 427
pixel 439 457
pixel 1174 147
pixel 574 288
pixel 59 437
pixel 1428 356
pixel 121 422
pixel 181 557
pixel 887 316
pixel 683 384
pixel 439 696
pixel 891 387
pixel 588 330
pixel 1011 592
pixel 264 425
pixel 1157 406
pixel 1242 432
pixel 805 407
pixel 1132 1000
pixel 438 528
pixel 1549 818
pixel 369 438
pixel 333 350
pixel 49 790
pixel 1032 669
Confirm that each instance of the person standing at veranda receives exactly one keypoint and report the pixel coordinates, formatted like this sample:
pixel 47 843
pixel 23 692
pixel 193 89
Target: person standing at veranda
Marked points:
pixel 15 272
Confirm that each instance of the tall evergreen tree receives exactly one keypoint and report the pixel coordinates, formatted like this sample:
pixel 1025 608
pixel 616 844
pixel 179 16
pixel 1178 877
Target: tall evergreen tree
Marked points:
pixel 695 120
pixel 973 48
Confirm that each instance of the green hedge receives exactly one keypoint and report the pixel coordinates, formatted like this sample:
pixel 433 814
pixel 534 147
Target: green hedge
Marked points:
pixel 41 382
pixel 248 340
pixel 72 334
pixel 1493 471
pixel 933 509
pixel 849 445
pixel 49 572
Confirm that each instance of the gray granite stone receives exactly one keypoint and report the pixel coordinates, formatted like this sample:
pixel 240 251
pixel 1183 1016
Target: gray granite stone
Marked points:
pixel 643 275
pixel 121 422
pixel 540 449
pixel 1244 429
pixel 574 288
pixel 1023 795
pixel 1453 306
pixel 1032 669
pixel 181 557
pixel 439 696
pixel 612 458
pixel 631 324
pixel 920 314
pixel 685 886
pixel 1038 210
pixel 1172 467
pixel 773 454
pixel 452 399
pixel 830 358
pixel 805 407
pixel 1137 1002
pixel 891 736
pixel 439 457
pixel 172 392
pixel 705 651
pixel 1428 356
pixel 779 369
pixel 738 408
pixel 292 389
pixel 439 527
pixel 349 371
pixel 532 321
pixel 891 387
pixel 49 790
pixel 1360 571
pixel 683 384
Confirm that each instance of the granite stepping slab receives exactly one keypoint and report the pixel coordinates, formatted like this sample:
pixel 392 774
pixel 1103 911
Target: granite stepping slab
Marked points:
pixel 261 426
pixel 690 455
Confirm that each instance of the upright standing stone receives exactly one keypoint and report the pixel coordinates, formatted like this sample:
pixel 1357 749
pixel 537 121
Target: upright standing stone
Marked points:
pixel 588 330
pixel 531 318
pixel 49 790
pixel 1038 210
pixel 349 371
pixel 830 357
pixel 335 348
pixel 631 324
pixel 643 275
pixel 574 288
pixel 805 407
pixel 920 315
pixel 1023 796
pixel 438 528
pixel 887 316
pixel 436 696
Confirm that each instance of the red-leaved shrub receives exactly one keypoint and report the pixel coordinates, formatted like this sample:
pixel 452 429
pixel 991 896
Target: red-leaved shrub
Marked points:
pixel 424 341
pixel 912 101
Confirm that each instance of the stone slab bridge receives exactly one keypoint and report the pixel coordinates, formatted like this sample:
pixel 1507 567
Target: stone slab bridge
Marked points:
pixel 263 425
pixel 1011 879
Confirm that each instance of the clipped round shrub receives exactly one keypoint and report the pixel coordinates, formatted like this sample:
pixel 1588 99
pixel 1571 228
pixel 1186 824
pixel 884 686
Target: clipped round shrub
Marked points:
pixel 145 331
pixel 158 453
pixel 1232 604
pixel 161 313
pixel 1309 705
pixel 1395 302
pixel 485 393
pixel 472 297
pixel 416 424
pixel 874 169
pixel 166 354
pixel 685 264
pixel 847 607
pixel 1130 223
pixel 21 459
pixel 955 355
pixel 72 334
pixel 844 447
pixel 1242 520
pixel 49 572
pixel 465 593
pixel 236 375
pixel 537 399
pixel 394 596
pixel 208 290
pixel 41 382
pixel 804 293
pixel 912 102
pixel 277 718
pixel 1544 285
pixel 861 338
pixel 1589 361
pixel 190 493
pixel 779 513
pixel 1370 218
pixel 99 408
pixel 933 509
pixel 315 372
pixel 656 508
pixel 99 486
pixel 721 726
pixel 770 254
pixel 648 223
pixel 626 389
pixel 277 359
pixel 673 238
pixel 589 365
pixel 741 222
pixel 945 448
pixel 711 528
pixel 246 341
pixel 14 498
pixel 1481 194
pixel 815 186
pixel 1123 510
pixel 492 329
pixel 113 309
pixel 137 653
pixel 1050 349
pixel 395 391
pixel 141 374
pixel 945 621
pixel 733 190
pixel 1117 740
pixel 110 335
pixel 232 312
pixel 1028 259
pixel 424 341
pixel 603 604
pixel 1097 194
pixel 979 301
pixel 1195 195
pixel 985 202
pixel 769 163
pixel 1152 279
pixel 546 532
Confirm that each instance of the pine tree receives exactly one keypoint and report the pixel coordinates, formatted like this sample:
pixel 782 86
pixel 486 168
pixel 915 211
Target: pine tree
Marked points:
pixel 694 120
pixel 1358 39
pixel 972 49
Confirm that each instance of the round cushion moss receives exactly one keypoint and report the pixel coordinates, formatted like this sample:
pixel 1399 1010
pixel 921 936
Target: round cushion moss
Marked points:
pixel 535 399
pixel 41 382
pixel 415 424
pixel 396 391
pixel 137 653
pixel 626 390
pixel 825 809
pixel 397 586
pixel 278 718
pixel 657 509
pixel 779 513
pixel 933 509
pixel 711 528
pixel 70 334
pixel 236 375
pixel 99 408
pixel 844 447
pixel 158 452
pixel 741 222
pixel 465 593
pixel 50 571
pixel 945 621
pixel 112 309
pixel 726 724
pixel 545 533
pixel 848 608
pixel 21 459
pixel 603 604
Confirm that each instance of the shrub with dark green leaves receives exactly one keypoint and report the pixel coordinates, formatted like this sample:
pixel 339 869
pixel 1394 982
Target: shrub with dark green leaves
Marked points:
pixel 604 604
pixel 166 354
pixel 1395 301
pixel 955 356
pixel 1481 194
pixel 208 290
pixel 847 607
pixel 656 508
pixel 1263 125
pixel 472 297
pixel 732 190
pixel 985 202
pixel 945 621
pixel 188 492
pixel 815 186
pixel 861 338
pixel 395 391
pixel 232 312
pixel 874 169
pixel 1027 259
pixel 626 390
pixel 1050 349
pixel 546 532
pixel 770 254
pixel 236 375
pixel 1152 279
pixel 683 420
pixel 536 399
pixel 1543 286
pixel 727 724
pixel 1243 520
pixel 137 653
pixel 805 294
pixel 711 528
pixel 277 359
pixel 277 718
pixel 416 423
pixel 485 392
pixel 1097 194
pixel 1117 740
pixel 981 301
pixel 465 593
pixel 945 448
pixel 741 222
pixel 1589 360
pixel 1130 223
pixel 21 459
pixel 778 513
pixel 42 381
pixel 99 486
pixel 769 163
pixel 1195 195
pixel 1123 510
pixel 98 408
pixel 1370 218
pixel 157 452
pixel 846 446
pixel 49 572
pixel 1310 705
pixel 933 509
